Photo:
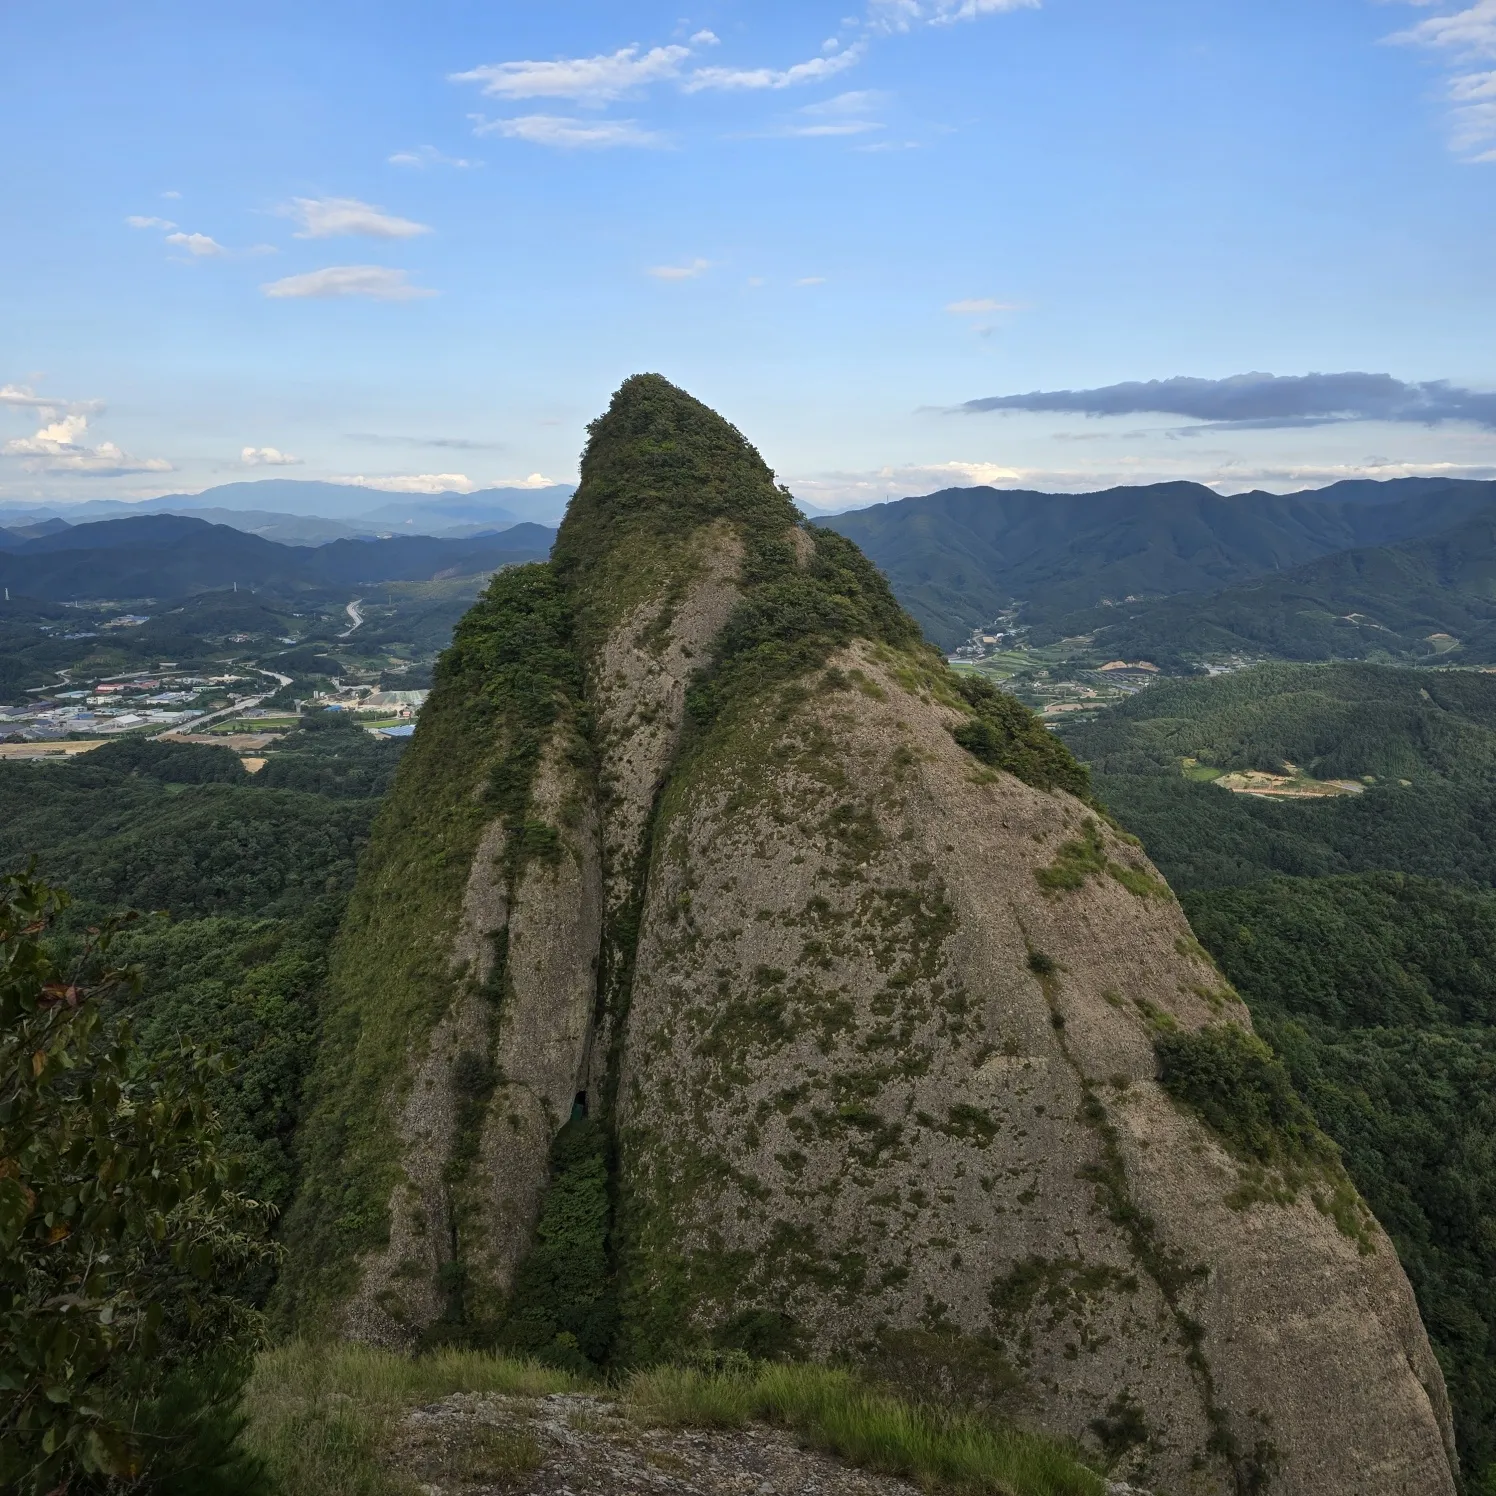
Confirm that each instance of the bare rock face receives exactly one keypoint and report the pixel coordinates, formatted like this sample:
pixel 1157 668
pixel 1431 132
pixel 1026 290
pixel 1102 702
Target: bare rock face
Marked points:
pixel 890 1044
pixel 879 1079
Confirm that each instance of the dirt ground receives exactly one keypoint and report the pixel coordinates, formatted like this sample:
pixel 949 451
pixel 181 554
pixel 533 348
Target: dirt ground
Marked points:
pixel 570 1444
pixel 573 1444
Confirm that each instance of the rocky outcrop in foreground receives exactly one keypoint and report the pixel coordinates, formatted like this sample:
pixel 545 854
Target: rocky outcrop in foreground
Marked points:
pixel 727 972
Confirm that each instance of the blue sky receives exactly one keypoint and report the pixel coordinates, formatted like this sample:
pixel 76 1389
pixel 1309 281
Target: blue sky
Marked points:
pixel 419 245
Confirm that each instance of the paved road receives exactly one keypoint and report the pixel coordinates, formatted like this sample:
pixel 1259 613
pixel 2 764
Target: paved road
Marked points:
pixel 356 615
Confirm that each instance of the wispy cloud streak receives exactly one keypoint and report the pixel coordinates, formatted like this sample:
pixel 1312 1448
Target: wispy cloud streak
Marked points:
pixel 1265 401
pixel 1464 37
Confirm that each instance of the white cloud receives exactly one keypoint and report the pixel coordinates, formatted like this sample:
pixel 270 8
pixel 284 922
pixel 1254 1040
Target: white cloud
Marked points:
pixel 415 483
pixel 811 280
pixel 59 445
pixel 943 12
pixel 1466 35
pixel 979 305
pixel 138 221
pixel 534 480
pixel 904 15
pixel 706 39
pixel 428 155
pixel 19 399
pixel 589 80
pixel 830 128
pixel 200 246
pixel 570 134
pixel 813 71
pixel 267 457
pixel 846 114
pixel 171 194
pixel 854 101
pixel 373 281
pixel 1474 115
pixel 680 272
pixel 329 217
pixel 1471 32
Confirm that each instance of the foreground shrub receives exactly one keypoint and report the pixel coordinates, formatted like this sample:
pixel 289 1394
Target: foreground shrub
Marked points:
pixel 124 1352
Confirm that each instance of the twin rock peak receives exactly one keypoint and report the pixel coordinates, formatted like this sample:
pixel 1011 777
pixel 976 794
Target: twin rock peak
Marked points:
pixel 725 972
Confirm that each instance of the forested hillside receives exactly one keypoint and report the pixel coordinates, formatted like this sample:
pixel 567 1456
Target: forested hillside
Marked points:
pixel 956 558
pixel 240 880
pixel 1416 600
pixel 1336 721
pixel 1361 930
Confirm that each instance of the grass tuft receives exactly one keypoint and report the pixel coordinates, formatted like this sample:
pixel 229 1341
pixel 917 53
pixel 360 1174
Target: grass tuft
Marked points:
pixel 833 1411
pixel 320 1417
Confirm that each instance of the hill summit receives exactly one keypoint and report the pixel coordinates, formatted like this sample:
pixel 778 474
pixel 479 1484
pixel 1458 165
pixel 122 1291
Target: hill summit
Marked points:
pixel 725 973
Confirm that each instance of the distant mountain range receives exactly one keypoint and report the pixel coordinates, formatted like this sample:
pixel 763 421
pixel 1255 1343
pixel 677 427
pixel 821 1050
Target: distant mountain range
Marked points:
pixel 1404 569
pixel 169 556
pixel 300 512
pixel 959 557
pixel 1434 596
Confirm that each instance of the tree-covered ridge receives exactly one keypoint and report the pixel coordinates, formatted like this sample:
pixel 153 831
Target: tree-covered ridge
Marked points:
pixel 1077 561
pixel 1419 599
pixel 1201 836
pixel 1333 721
pixel 243 884
pixel 171 556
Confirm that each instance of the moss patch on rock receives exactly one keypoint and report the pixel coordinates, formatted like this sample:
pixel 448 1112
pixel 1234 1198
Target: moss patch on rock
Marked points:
pixel 1241 1090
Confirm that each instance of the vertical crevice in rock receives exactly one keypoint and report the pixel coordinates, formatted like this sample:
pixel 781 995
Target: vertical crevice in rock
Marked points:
pixel 639 679
pixel 543 1024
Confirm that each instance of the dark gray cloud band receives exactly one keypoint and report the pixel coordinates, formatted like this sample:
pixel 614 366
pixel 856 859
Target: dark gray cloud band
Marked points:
pixel 1266 400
